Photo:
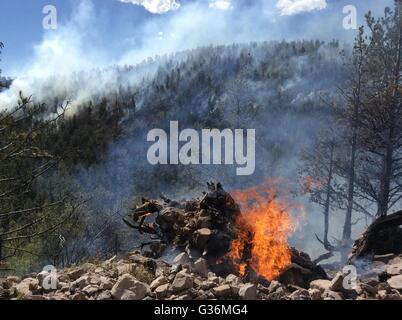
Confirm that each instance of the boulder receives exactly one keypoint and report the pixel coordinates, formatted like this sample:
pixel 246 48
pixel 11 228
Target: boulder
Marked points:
pixel 182 259
pixel 105 283
pixel 300 294
pixel 201 267
pixel 332 295
pixel 81 282
pixel 162 291
pixel 395 282
pixel 26 286
pixel 315 294
pixel 182 281
pixel 224 291
pixel 149 264
pixel 80 296
pixel 75 274
pixel 248 292
pixel 394 269
pixel 90 290
pixel 128 284
pixel 158 282
pixel 321 285
pixel 105 295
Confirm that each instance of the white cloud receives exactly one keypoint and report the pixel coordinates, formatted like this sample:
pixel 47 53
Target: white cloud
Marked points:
pixel 292 7
pixel 221 4
pixel 156 6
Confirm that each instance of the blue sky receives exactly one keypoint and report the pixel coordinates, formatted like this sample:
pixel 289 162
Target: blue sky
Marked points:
pixel 118 32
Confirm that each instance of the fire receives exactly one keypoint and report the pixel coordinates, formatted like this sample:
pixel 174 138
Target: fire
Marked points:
pixel 264 229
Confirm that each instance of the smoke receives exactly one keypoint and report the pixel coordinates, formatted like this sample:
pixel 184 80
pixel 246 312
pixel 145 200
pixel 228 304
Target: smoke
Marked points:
pixel 156 6
pixel 292 7
pixel 67 61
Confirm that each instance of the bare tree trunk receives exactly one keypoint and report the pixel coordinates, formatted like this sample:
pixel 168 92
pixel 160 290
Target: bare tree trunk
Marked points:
pixel 347 227
pixel 328 199
pixel 385 184
pixel 1 250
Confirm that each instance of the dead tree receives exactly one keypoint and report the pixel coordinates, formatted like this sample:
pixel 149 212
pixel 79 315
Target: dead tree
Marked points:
pixel 318 179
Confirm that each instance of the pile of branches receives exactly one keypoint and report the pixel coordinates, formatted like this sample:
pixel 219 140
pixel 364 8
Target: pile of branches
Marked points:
pixel 204 226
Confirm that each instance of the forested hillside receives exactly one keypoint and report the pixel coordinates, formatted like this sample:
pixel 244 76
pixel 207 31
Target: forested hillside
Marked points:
pixel 280 89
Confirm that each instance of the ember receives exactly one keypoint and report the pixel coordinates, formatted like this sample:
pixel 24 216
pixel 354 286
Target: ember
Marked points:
pixel 265 228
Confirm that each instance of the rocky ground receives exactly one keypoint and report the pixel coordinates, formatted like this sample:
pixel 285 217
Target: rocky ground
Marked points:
pixel 135 277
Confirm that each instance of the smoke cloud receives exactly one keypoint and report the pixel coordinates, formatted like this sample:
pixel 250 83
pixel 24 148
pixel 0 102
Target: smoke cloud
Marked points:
pixel 156 6
pixel 72 62
pixel 292 7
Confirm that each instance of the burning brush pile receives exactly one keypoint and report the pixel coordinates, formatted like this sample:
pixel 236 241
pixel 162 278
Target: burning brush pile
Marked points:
pixel 243 233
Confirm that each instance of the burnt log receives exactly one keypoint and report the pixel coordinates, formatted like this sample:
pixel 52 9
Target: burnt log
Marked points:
pixel 383 236
pixel 302 270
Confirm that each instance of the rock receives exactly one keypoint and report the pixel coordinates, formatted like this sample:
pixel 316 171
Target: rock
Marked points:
pixel 207 285
pixel 41 276
pixel 109 262
pixel 105 295
pixel 384 295
pixel 201 267
pixel 273 286
pixel 182 281
pixel 124 268
pixel 81 282
pixel 279 294
pixel 394 269
pixel 149 264
pixel 127 283
pixel 90 290
pixel 321 285
pixel 201 237
pixel 384 286
pixel 300 294
pixel 223 291
pixel 332 295
pixel 248 292
pixel 13 279
pixel 395 282
pixel 26 286
pixel 396 260
pixel 105 283
pixel 158 282
pixel 368 288
pixel 213 278
pixel 35 298
pixel 315 294
pixel 76 274
pixel 337 282
pixel 162 291
pixel 182 259
pixel 80 296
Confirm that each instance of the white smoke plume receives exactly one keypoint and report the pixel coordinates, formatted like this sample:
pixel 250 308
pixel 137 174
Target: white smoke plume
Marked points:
pixel 221 4
pixel 156 6
pixel 72 62
pixel 292 7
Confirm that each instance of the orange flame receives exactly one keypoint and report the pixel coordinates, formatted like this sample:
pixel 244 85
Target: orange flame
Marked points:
pixel 264 229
